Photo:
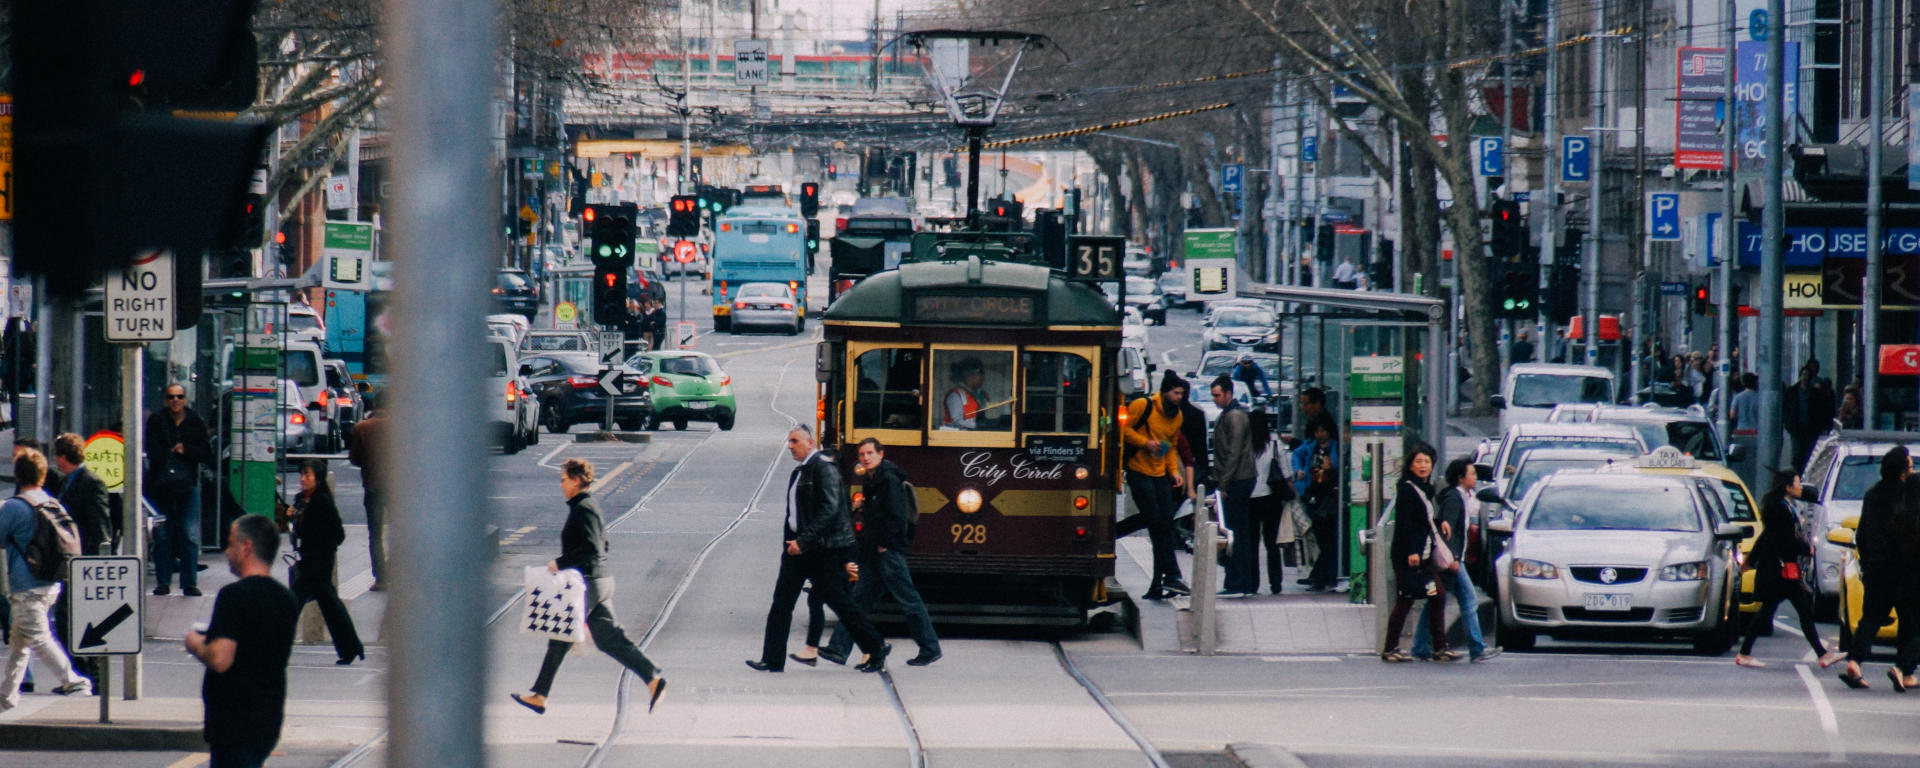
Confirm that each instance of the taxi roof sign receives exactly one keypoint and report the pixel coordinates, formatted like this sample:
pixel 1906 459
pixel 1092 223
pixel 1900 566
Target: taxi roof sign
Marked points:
pixel 1666 457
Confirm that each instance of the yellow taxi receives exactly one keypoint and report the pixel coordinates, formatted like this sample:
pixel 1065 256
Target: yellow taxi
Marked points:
pixel 1725 489
pixel 1852 594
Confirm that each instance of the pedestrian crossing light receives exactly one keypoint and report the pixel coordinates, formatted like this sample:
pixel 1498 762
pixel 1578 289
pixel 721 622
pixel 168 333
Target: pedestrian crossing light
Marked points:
pixel 683 219
pixel 1701 306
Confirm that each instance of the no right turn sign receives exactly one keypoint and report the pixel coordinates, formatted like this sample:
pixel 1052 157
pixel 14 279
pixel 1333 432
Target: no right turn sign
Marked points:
pixel 140 298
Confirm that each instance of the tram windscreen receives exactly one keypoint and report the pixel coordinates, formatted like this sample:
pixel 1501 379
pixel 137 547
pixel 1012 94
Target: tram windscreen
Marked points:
pixel 1055 399
pixel 974 389
pixel 887 393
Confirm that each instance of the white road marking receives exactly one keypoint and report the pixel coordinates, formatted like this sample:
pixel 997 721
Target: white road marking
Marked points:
pixel 1835 752
pixel 1300 658
pixel 546 460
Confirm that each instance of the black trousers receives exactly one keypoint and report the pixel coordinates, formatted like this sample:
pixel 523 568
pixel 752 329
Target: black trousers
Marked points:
pixel 315 583
pixel 1268 511
pixel 1771 592
pixel 1880 590
pixel 607 634
pixel 827 573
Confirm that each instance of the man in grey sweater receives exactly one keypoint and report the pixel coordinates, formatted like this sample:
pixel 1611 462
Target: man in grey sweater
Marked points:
pixel 1234 473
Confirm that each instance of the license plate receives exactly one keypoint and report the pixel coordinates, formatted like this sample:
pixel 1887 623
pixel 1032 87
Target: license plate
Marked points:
pixel 763 306
pixel 699 405
pixel 627 387
pixel 1609 602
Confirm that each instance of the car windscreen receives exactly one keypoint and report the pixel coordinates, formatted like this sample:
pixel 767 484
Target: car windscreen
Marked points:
pixel 1244 318
pixel 303 368
pixel 499 359
pixel 297 323
pixel 1739 505
pixel 554 343
pixel 1215 365
pixel 1140 286
pixel 688 365
pixel 1533 471
pixel 584 364
pixel 1524 446
pixel 512 281
pixel 1585 507
pixel 763 289
pixel 1546 390
pixel 1857 474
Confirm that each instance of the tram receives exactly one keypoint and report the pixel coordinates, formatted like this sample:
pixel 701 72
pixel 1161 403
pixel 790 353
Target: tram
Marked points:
pixel 991 378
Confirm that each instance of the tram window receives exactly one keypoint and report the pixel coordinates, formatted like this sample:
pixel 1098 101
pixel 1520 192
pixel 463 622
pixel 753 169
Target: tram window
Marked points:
pixel 1055 399
pixel 974 389
pixel 888 394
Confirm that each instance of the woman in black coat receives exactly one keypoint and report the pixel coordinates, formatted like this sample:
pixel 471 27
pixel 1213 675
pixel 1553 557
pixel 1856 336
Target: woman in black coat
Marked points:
pixel 1412 531
pixel 317 534
pixel 1780 544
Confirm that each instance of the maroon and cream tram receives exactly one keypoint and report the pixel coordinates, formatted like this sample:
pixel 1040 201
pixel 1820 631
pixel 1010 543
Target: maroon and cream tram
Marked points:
pixel 991 379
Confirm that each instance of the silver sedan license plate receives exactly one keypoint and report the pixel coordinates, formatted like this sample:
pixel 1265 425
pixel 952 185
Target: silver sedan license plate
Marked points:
pixel 1609 602
pixel 699 405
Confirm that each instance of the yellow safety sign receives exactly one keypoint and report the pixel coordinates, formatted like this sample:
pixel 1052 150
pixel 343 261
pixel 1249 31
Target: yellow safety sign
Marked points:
pixel 106 455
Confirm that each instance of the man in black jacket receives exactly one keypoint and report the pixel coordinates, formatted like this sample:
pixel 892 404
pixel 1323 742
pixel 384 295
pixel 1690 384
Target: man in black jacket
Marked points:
pixel 85 496
pixel 888 513
pixel 176 447
pixel 818 527
pixel 1879 557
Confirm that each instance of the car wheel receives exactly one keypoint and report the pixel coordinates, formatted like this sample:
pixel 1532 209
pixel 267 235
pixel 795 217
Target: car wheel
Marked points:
pixel 726 424
pixel 722 324
pixel 680 425
pixel 653 423
pixel 515 442
pixel 795 329
pixel 1716 641
pixel 554 420
pixel 1516 639
pixel 533 435
pixel 629 425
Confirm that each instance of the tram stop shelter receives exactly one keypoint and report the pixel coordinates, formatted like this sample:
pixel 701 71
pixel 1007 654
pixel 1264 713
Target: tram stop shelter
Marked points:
pixel 1370 352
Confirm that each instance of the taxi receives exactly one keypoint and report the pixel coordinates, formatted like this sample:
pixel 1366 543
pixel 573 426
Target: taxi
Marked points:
pixel 1626 555
pixel 1736 504
pixel 1852 593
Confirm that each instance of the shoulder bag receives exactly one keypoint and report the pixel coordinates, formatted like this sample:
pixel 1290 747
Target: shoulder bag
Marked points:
pixel 1439 555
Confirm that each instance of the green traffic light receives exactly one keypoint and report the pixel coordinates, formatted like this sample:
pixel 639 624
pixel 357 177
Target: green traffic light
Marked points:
pixel 1507 305
pixel 606 250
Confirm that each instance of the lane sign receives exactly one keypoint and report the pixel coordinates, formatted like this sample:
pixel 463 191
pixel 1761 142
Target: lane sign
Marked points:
pixel 1231 178
pixel 610 381
pixel 139 303
pixel 683 335
pixel 1492 156
pixel 1575 151
pixel 1663 216
pixel 106 606
pixel 749 62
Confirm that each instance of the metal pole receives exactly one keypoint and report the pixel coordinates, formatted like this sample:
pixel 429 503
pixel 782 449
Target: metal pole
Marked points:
pixel 1772 292
pixel 1506 149
pixel 42 363
pixel 1638 301
pixel 1870 293
pixel 133 529
pixel 1596 163
pixel 1205 558
pixel 1298 206
pixel 1272 212
pixel 686 107
pixel 1729 243
pixel 439 233
pixel 1550 140
pixel 76 371
pixel 975 140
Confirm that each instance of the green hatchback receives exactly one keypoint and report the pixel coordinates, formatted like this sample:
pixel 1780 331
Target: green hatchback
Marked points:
pixel 686 386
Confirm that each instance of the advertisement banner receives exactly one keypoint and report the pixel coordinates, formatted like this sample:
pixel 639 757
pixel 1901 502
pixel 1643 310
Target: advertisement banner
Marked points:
pixel 1750 96
pixel 1697 137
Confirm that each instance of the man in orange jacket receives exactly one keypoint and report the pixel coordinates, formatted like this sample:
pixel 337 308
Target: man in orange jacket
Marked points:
pixel 1153 472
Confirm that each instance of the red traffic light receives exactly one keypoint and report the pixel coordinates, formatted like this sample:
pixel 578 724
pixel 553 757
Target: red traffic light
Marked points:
pixel 1700 294
pixel 611 278
pixel 809 189
pixel 588 214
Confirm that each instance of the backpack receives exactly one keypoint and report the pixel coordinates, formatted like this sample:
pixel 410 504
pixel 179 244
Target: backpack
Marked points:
pixel 55 542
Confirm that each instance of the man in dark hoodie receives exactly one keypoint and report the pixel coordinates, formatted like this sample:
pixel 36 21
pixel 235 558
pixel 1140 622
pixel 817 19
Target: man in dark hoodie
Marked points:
pixel 1879 554
pixel 887 513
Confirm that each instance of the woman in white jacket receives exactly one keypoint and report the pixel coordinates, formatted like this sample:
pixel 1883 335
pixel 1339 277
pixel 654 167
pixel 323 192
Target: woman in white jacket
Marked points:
pixel 1272 491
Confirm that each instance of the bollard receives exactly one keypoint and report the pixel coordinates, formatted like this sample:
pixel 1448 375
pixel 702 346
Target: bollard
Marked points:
pixel 1206 634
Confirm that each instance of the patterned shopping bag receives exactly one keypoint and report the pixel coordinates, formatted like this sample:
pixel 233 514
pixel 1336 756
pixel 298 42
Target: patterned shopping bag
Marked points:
pixel 556 605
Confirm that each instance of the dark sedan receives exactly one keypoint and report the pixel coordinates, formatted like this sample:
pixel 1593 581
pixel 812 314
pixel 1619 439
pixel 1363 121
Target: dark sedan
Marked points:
pixel 567 385
pixel 513 292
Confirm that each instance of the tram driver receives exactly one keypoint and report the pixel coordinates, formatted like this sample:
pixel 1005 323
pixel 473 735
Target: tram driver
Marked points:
pixel 966 400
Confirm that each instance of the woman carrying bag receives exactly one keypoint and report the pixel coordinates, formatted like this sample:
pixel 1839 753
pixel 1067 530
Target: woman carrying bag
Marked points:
pixel 1272 491
pixel 317 535
pixel 1775 560
pixel 1412 550
pixel 583 547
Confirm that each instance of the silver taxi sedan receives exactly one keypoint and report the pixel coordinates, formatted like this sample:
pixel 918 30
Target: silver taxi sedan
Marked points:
pixel 766 304
pixel 1607 554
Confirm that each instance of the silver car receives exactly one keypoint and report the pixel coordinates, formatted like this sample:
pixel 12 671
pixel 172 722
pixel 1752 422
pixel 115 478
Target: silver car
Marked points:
pixel 1620 555
pixel 1841 468
pixel 1684 428
pixel 766 305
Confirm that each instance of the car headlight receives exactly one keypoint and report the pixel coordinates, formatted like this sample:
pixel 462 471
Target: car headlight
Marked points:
pixel 1534 569
pixel 1696 571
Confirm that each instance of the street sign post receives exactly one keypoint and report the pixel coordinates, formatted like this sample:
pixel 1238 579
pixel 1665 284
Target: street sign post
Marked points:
pixel 1574 153
pixel 1232 176
pixel 683 335
pixel 139 304
pixel 106 455
pixel 1663 216
pixel 750 62
pixel 1492 150
pixel 1210 264
pixel 348 246
pixel 106 606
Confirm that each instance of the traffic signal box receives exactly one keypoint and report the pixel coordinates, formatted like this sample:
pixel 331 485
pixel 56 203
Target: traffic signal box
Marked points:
pixel 1515 273
pixel 813 235
pixel 611 233
pixel 810 201
pixel 129 108
pixel 683 216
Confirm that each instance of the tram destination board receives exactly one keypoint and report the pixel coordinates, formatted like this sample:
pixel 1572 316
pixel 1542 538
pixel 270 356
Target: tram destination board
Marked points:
pixel 1058 448
pixel 975 308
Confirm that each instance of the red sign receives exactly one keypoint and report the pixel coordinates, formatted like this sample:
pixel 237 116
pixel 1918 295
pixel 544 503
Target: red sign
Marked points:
pixel 1900 359
pixel 683 251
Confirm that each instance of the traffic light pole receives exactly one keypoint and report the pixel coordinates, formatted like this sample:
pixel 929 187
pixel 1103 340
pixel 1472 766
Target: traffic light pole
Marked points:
pixel 1638 301
pixel 1870 293
pixel 1596 163
pixel 1550 226
pixel 1729 247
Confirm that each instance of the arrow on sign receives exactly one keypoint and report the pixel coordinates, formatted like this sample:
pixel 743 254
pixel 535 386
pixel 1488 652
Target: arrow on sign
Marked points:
pixel 610 381
pixel 96 634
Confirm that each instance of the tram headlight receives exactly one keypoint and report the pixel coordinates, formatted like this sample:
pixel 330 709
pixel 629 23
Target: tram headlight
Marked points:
pixel 968 501
pixel 1080 473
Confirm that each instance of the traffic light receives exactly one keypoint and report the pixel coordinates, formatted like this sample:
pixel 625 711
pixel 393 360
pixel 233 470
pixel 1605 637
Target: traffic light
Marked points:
pixel 1007 209
pixel 127 107
pixel 610 295
pixel 683 216
pixel 813 235
pixel 1509 234
pixel 1702 305
pixel 611 232
pixel 1519 289
pixel 809 199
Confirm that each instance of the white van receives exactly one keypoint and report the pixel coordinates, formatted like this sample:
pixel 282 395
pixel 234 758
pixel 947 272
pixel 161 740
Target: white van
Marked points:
pixel 1530 390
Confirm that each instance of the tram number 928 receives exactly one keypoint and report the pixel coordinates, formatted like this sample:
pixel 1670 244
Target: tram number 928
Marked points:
pixel 969 533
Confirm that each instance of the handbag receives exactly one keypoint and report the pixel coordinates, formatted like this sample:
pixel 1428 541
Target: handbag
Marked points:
pixel 1277 480
pixel 1439 555
pixel 556 606
pixel 1790 570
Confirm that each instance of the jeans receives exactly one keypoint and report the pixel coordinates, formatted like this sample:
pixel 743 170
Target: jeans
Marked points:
pixel 176 545
pixel 238 755
pixel 377 531
pixel 1154 497
pixel 887 572
pixel 1462 589
pixel 32 633
pixel 1326 534
pixel 607 635
pixel 1243 564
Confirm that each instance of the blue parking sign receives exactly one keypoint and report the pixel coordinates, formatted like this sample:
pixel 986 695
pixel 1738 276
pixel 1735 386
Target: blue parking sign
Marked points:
pixel 1576 153
pixel 1230 177
pixel 1663 216
pixel 1309 148
pixel 1492 160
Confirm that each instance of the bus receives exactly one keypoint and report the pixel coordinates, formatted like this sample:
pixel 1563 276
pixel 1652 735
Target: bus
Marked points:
pixel 357 326
pixel 758 245
pixel 993 380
